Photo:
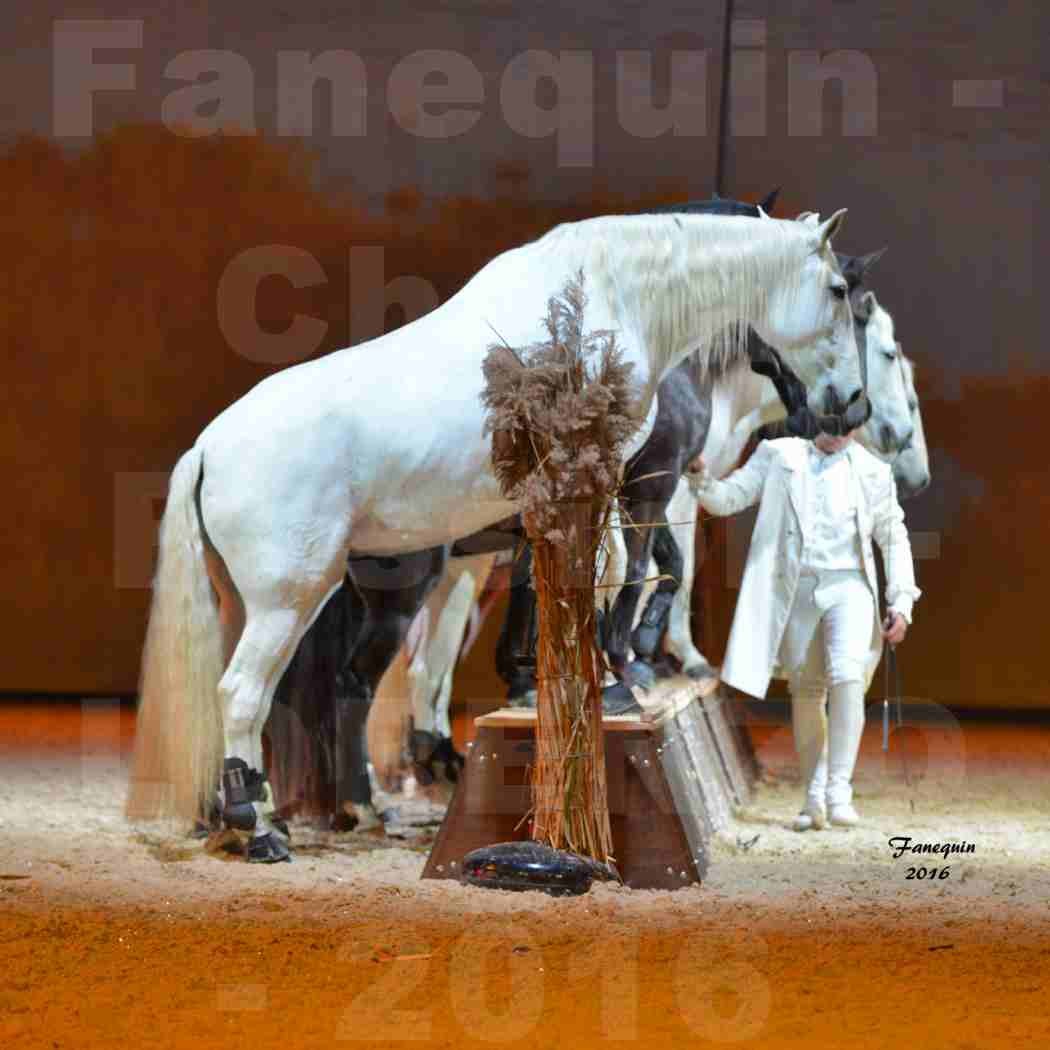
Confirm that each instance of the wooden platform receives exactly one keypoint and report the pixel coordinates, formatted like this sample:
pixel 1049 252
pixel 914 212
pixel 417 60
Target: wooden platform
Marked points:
pixel 733 746
pixel 669 785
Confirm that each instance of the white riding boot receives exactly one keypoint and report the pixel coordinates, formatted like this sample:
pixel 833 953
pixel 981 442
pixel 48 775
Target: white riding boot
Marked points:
pixel 811 742
pixel 845 728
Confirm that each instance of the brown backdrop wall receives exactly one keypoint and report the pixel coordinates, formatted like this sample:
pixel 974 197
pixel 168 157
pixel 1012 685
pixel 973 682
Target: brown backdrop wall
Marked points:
pixel 116 360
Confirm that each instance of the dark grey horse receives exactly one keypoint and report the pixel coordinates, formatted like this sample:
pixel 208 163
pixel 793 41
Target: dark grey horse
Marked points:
pixel 679 435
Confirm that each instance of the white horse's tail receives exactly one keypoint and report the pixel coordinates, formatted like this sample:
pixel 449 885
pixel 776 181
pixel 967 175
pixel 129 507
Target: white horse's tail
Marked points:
pixel 178 741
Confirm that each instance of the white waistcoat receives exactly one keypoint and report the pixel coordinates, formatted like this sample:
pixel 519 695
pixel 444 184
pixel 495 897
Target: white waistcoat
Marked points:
pixel 832 540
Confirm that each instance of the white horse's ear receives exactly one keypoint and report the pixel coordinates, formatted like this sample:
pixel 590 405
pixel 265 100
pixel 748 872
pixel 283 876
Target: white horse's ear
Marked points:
pixel 809 218
pixel 866 306
pixel 828 229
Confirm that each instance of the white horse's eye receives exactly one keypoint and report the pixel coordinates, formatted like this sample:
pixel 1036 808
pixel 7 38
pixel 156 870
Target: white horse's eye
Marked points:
pixel 890 355
pixel 839 291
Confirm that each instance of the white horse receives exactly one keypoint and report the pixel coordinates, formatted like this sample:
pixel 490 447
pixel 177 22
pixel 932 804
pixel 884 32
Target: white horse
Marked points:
pixel 381 449
pixel 911 468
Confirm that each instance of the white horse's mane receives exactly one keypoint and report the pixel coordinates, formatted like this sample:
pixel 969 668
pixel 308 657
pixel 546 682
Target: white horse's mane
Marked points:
pixel 909 372
pixel 709 275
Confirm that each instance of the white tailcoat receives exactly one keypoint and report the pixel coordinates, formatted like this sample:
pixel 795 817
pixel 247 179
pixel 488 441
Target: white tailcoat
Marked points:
pixel 760 645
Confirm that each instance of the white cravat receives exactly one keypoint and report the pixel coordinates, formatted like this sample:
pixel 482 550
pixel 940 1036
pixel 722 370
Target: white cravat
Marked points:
pixel 832 541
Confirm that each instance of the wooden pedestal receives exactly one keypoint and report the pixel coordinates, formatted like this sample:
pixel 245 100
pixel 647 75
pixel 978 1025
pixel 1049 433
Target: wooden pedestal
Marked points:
pixel 669 786
pixel 734 747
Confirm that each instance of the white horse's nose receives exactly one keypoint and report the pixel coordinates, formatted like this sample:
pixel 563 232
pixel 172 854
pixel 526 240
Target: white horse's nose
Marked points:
pixel 908 489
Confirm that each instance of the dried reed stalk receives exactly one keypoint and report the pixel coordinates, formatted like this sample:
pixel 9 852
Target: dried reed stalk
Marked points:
pixel 559 415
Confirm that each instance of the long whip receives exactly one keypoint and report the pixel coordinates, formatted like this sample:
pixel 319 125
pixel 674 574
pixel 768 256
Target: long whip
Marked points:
pixel 891 668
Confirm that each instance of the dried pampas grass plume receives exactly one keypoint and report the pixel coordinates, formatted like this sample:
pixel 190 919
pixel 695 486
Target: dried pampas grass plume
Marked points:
pixel 559 415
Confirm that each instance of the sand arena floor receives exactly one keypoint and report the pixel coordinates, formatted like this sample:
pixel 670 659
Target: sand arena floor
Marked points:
pixel 119 936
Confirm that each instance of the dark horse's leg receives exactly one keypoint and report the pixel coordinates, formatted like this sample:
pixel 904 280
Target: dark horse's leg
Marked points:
pixel 516 649
pixel 392 590
pixel 639 516
pixel 516 652
pixel 648 635
pixel 683 418
pixel 302 728
pixel 316 729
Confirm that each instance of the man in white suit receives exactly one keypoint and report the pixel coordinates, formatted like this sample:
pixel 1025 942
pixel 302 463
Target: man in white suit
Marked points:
pixel 808 599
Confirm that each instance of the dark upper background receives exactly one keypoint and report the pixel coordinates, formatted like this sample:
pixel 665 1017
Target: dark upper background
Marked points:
pixel 114 244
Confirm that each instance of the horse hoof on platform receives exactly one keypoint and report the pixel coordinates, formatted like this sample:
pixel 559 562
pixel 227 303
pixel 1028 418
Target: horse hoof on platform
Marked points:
pixel 267 849
pixel 640 673
pixel 665 667
pixel 526 700
pixel 617 699
pixel 701 671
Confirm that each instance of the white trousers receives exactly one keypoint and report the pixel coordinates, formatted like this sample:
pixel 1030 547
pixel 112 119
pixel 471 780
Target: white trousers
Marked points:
pixel 828 637
pixel 835 609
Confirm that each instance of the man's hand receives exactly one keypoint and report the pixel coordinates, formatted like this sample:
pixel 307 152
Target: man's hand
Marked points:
pixel 699 478
pixel 894 628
